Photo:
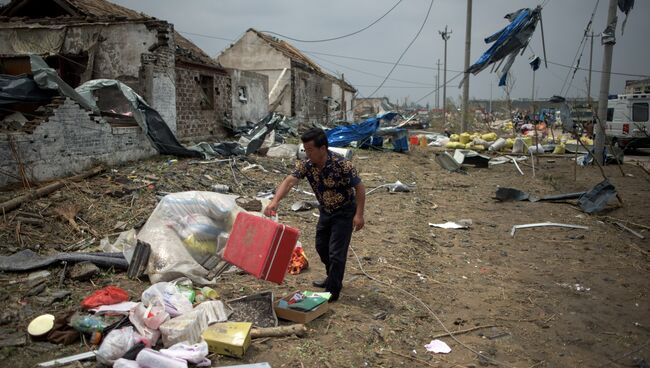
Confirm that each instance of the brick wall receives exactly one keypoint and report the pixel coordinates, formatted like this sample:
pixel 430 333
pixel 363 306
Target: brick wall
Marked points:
pixel 70 141
pixel 196 121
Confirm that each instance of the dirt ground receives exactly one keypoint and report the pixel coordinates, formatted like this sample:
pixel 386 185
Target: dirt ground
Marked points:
pixel 547 297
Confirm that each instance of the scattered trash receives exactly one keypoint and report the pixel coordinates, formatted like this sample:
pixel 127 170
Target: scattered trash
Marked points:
pixel 469 157
pixel 182 230
pixel 635 233
pixel 228 338
pixel 116 344
pixel 139 260
pixel 460 224
pixel 304 205
pixel 253 167
pixel 119 308
pixel 511 194
pixel 41 325
pixel 27 260
pixel 299 260
pixel 192 353
pixel 220 188
pixel 544 224
pixel 283 150
pixel 597 197
pixel 69 359
pixel 576 287
pixel 257 309
pixel 438 347
pixel 149 358
pixel 106 296
pixel 447 162
pixel 169 295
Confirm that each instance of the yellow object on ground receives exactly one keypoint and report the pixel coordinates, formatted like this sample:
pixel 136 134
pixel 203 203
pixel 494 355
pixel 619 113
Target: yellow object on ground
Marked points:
pixel 528 140
pixel 454 137
pixel 464 138
pixel 559 149
pixel 490 137
pixel 509 143
pixel 228 338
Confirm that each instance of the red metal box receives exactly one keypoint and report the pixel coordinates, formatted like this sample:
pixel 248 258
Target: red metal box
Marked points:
pixel 261 247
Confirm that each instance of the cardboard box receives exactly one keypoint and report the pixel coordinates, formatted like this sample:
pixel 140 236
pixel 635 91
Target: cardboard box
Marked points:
pixel 299 316
pixel 228 338
pixel 261 247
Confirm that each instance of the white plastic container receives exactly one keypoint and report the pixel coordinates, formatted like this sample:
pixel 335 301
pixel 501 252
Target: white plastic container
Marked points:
pixel 346 153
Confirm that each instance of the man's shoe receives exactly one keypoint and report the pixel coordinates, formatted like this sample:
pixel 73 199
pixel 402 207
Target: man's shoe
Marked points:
pixel 320 283
pixel 333 298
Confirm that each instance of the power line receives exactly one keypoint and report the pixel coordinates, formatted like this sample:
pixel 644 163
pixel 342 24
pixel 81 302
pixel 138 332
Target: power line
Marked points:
pixel 599 71
pixel 207 36
pixel 370 74
pixel 436 89
pixel 405 50
pixel 338 37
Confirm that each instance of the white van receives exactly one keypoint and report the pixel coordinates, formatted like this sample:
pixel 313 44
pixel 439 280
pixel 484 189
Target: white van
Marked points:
pixel 628 122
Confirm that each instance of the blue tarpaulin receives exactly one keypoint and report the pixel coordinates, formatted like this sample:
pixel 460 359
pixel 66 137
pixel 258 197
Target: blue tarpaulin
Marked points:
pixel 343 135
pixel 509 41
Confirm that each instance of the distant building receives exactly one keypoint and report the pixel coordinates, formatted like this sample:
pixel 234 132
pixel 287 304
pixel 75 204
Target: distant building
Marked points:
pixel 371 106
pixel 637 86
pixel 297 86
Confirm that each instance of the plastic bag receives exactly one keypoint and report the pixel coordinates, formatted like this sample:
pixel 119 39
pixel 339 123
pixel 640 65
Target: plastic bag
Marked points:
pixel 87 323
pixel 152 359
pixel 177 231
pixel 125 243
pixel 147 320
pixel 169 296
pixel 195 353
pixel 116 343
pixel 106 296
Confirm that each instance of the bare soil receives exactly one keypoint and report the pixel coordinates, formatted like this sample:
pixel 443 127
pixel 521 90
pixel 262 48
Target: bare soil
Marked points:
pixel 547 297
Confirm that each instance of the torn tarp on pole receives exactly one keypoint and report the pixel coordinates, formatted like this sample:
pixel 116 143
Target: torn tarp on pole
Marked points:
pixel 343 135
pixel 509 41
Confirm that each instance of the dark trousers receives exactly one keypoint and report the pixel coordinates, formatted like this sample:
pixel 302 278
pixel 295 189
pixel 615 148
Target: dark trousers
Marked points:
pixel 333 234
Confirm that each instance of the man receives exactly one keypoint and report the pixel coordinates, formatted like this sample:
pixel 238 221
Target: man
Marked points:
pixel 341 196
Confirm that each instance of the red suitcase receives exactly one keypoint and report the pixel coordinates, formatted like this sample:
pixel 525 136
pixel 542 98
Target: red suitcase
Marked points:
pixel 261 247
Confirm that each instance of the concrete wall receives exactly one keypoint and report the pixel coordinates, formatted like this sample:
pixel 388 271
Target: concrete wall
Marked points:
pixel 196 121
pixel 71 141
pixel 254 54
pixel 257 100
pixel 308 92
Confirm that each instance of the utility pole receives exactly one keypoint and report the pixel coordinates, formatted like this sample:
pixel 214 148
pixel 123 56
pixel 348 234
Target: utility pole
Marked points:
pixel 468 41
pixel 438 86
pixel 591 56
pixel 608 40
pixel 446 35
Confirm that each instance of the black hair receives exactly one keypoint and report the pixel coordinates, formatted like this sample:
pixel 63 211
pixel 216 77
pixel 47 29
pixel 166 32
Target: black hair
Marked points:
pixel 316 135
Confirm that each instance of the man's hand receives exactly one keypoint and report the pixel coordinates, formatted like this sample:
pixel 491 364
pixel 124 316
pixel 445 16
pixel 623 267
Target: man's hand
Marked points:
pixel 271 209
pixel 358 222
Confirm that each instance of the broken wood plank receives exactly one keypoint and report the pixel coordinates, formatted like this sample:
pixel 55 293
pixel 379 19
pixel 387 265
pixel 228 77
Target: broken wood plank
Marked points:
pixel 280 331
pixel 45 190
pixel 637 234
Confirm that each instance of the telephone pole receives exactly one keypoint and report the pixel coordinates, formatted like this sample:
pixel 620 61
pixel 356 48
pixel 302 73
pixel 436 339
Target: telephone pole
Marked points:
pixel 468 42
pixel 446 35
pixel 591 56
pixel 438 86
pixel 608 40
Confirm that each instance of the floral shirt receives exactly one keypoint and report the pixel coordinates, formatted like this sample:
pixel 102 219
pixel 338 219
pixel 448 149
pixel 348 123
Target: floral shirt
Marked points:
pixel 334 184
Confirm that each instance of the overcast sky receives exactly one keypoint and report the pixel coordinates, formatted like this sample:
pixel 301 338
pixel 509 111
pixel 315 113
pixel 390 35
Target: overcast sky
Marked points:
pixel 564 23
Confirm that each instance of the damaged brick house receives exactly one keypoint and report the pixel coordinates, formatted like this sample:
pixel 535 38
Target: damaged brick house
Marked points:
pixel 92 39
pixel 297 86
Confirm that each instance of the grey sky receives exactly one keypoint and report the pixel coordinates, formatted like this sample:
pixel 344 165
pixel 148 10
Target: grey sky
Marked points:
pixel 564 22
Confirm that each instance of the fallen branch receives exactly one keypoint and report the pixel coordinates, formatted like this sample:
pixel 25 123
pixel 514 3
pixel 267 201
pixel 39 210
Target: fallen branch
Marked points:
pixel 629 230
pixel 280 331
pixel 626 222
pixel 45 190
pixel 460 332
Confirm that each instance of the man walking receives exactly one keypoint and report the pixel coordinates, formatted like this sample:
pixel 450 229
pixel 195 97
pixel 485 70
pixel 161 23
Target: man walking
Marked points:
pixel 341 196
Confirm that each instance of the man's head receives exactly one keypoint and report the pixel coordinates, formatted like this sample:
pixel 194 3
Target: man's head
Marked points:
pixel 315 142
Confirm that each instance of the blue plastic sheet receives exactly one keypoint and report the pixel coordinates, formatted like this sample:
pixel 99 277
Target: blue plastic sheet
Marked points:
pixel 343 135
pixel 508 41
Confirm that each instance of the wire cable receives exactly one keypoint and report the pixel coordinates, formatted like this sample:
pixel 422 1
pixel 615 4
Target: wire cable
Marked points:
pixel 338 37
pixel 405 50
